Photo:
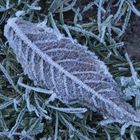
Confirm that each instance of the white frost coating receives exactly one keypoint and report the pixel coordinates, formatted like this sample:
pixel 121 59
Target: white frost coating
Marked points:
pixel 20 13
pixel 42 71
pixel 55 75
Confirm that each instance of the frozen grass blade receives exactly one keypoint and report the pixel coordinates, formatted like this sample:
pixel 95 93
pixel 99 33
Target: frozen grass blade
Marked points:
pixel 69 110
pixel 42 111
pixel 54 5
pixel 71 128
pixel 84 32
pixel 18 121
pixel 36 89
pixel 9 78
pixel 133 8
pixel 6 104
pixel 56 127
pixel 2 122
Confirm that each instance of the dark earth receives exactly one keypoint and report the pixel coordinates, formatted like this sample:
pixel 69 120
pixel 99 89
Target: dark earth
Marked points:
pixel 132 38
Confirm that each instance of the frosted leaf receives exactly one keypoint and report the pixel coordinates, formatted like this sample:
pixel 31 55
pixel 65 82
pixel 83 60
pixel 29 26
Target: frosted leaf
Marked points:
pixel 68 69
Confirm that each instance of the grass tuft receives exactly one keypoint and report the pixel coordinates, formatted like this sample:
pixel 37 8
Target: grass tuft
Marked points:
pixel 30 112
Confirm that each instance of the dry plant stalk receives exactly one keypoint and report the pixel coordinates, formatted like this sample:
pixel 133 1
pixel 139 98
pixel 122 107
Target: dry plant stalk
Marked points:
pixel 68 68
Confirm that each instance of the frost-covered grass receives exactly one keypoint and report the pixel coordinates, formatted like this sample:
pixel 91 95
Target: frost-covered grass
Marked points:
pixel 98 24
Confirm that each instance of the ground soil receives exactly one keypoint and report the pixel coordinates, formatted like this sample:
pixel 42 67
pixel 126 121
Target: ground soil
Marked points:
pixel 132 38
